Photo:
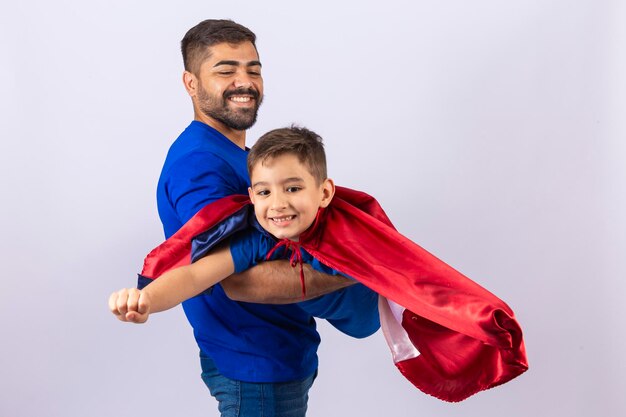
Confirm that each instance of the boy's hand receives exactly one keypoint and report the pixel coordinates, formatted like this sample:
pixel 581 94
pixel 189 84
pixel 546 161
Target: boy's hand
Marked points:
pixel 130 304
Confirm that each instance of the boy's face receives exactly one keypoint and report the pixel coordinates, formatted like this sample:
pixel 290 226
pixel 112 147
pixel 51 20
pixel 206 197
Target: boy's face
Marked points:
pixel 286 196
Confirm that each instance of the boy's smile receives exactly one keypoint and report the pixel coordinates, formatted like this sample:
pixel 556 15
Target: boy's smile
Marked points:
pixel 286 196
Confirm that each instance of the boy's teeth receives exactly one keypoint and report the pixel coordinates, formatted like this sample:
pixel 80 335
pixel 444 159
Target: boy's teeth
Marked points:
pixel 282 219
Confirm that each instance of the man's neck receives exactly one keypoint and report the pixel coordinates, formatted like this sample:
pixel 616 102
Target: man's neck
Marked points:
pixel 238 137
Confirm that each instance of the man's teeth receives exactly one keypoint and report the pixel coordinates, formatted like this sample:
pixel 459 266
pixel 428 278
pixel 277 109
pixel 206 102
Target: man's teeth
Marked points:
pixel 282 219
pixel 240 99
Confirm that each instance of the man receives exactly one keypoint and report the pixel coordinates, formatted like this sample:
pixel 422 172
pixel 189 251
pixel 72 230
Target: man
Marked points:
pixel 257 359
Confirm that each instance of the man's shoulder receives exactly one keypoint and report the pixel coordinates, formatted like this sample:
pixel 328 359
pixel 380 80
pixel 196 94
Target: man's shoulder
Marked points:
pixel 201 147
pixel 201 166
pixel 194 140
pixel 194 159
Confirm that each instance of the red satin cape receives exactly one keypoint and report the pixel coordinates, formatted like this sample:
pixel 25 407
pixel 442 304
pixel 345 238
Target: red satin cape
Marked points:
pixel 461 338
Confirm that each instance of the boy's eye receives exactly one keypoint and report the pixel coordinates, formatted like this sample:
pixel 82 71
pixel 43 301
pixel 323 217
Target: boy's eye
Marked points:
pixel 293 189
pixel 263 192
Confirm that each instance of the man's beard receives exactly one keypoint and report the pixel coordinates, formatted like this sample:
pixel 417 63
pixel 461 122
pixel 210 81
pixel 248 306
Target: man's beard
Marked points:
pixel 218 108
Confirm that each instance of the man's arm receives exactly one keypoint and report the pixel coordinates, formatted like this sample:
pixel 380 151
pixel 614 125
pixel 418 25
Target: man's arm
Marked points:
pixel 277 282
pixel 353 311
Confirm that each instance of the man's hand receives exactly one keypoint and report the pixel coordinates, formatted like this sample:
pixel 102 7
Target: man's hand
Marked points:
pixel 130 304
pixel 277 282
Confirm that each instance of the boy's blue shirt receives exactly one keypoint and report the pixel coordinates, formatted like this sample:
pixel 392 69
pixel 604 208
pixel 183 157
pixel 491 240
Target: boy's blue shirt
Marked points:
pixel 248 341
pixel 251 246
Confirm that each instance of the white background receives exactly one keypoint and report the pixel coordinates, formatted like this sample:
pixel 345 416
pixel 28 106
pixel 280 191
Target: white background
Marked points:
pixel 492 132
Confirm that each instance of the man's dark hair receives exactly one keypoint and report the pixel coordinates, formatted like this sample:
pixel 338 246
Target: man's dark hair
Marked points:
pixel 196 42
pixel 299 141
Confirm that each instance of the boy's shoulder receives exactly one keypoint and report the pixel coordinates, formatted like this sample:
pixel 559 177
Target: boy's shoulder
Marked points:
pixel 250 246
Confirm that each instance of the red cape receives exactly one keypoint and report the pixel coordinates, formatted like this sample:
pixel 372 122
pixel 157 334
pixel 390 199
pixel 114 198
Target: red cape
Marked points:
pixel 449 336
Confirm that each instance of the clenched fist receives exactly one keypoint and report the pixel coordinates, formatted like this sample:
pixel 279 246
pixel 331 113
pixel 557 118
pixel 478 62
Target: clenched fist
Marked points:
pixel 130 304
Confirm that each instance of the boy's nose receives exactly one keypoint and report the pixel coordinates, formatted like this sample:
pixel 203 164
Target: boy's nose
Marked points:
pixel 278 202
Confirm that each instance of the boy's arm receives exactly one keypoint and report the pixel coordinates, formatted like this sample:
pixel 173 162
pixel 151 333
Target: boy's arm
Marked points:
pixel 173 287
pixel 277 282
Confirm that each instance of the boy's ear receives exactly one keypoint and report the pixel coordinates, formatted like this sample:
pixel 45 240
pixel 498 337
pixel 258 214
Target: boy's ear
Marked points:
pixel 251 194
pixel 328 190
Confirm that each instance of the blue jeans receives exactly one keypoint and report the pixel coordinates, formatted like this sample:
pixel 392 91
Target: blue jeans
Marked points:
pixel 250 399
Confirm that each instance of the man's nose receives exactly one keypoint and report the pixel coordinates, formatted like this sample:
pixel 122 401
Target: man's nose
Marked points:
pixel 243 80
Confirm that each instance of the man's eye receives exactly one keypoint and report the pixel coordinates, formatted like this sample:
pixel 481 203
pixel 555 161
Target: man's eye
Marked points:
pixel 226 72
pixel 255 73
pixel 293 189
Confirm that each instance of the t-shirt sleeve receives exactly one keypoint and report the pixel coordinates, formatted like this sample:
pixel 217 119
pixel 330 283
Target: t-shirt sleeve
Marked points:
pixel 318 266
pixel 352 310
pixel 197 179
pixel 248 248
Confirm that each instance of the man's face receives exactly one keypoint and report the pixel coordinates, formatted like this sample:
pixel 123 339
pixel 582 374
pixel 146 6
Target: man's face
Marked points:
pixel 230 85
pixel 286 196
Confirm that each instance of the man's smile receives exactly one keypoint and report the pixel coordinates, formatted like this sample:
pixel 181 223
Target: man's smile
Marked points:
pixel 242 95
pixel 240 99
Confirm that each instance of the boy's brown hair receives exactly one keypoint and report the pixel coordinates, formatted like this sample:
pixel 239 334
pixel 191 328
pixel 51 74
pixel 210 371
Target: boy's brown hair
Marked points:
pixel 299 141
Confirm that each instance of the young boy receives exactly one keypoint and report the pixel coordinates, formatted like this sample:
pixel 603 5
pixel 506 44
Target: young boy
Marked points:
pixel 450 337
pixel 289 185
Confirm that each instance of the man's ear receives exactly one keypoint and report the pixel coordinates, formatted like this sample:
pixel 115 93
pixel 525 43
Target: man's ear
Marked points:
pixel 328 190
pixel 191 83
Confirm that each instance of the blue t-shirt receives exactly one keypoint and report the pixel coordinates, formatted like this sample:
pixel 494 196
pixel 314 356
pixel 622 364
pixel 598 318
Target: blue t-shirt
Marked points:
pixel 247 341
